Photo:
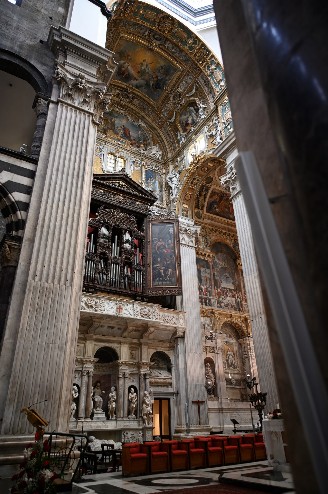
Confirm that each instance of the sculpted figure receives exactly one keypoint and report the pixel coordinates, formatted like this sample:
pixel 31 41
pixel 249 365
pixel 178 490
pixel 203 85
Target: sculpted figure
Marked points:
pixel 112 403
pixel 133 400
pixel 97 396
pixel 147 414
pixel 209 379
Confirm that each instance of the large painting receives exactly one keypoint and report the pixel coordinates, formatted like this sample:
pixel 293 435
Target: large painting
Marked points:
pixel 219 281
pixel 163 258
pixel 116 124
pixel 220 204
pixel 143 69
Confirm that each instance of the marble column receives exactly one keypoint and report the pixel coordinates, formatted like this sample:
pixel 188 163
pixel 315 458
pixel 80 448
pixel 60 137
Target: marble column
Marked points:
pixel 195 387
pixel 40 106
pixel 120 391
pixel 256 309
pixel 180 387
pixel 83 393
pixel 9 254
pixel 37 358
pixel 88 402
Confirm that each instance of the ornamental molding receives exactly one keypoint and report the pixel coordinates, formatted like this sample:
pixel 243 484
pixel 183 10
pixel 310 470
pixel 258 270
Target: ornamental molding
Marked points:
pixel 230 180
pixel 188 232
pixel 126 308
pixel 77 90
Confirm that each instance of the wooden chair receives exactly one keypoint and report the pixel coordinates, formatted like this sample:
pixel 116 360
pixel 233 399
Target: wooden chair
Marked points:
pixel 196 453
pixel 245 446
pixel 178 456
pixel 259 447
pixel 135 459
pixel 158 457
pixel 88 463
pixel 214 451
pixel 230 450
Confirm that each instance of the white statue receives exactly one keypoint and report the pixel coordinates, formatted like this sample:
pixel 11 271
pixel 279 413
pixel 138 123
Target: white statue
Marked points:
pixel 173 180
pixel 147 414
pixel 97 396
pixel 133 400
pixel 112 403
pixel 75 394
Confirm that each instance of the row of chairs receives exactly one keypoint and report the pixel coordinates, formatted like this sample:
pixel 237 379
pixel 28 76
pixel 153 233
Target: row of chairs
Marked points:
pixel 198 452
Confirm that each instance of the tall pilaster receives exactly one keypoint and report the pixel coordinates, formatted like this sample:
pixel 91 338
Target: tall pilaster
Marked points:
pixel 193 336
pixel 37 359
pixel 260 335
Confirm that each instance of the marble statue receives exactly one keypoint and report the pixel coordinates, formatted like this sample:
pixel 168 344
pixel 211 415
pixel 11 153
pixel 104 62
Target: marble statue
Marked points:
pixel 173 180
pixel 97 396
pixel 147 415
pixel 133 400
pixel 112 403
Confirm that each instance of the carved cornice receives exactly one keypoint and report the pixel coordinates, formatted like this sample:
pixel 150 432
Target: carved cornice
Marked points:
pixel 126 308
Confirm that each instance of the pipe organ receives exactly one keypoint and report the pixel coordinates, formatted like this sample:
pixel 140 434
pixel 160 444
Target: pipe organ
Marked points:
pixel 115 246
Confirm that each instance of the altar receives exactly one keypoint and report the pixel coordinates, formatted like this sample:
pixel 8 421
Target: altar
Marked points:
pixel 273 432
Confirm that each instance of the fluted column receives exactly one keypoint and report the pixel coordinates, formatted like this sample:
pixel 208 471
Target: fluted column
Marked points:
pixel 180 382
pixel 260 334
pixel 88 403
pixel 83 393
pixel 193 335
pixel 37 359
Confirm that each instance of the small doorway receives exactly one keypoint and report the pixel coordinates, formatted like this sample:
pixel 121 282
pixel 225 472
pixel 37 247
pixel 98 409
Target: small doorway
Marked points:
pixel 162 418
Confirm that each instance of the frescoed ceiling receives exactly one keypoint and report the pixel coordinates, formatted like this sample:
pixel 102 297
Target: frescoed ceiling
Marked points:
pixel 166 79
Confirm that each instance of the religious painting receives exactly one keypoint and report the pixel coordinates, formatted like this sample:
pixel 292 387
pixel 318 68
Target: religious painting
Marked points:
pixel 163 258
pixel 204 281
pixel 118 125
pixel 142 68
pixel 226 278
pixel 219 282
pixel 189 117
pixel 219 204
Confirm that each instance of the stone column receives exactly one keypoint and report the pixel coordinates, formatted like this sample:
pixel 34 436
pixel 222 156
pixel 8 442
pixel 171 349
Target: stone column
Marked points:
pixel 256 309
pixel 88 403
pixel 180 382
pixel 83 393
pixel 194 379
pixel 120 391
pixel 37 359
pixel 40 106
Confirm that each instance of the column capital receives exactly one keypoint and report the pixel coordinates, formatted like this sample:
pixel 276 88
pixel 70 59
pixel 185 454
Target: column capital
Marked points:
pixel 230 180
pixel 83 70
pixel 188 232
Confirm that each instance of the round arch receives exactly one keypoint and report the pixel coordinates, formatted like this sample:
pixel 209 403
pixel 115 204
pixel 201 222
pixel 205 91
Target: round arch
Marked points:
pixel 19 67
pixel 106 355
pixel 11 213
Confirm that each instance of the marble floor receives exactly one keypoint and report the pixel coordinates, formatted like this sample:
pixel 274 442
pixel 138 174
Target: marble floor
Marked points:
pixel 257 476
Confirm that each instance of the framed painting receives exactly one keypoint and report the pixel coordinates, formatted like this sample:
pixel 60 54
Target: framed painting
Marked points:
pixel 163 258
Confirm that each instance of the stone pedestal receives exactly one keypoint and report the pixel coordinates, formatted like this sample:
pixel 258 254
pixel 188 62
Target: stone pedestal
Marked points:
pixel 276 449
pixel 99 415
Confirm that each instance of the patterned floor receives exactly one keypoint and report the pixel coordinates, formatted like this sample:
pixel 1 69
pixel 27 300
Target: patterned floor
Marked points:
pixel 259 477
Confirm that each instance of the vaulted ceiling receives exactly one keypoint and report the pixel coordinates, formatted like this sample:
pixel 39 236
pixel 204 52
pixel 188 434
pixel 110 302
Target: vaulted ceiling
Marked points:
pixel 166 77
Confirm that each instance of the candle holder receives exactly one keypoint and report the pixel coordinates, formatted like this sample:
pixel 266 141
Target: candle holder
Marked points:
pixel 257 398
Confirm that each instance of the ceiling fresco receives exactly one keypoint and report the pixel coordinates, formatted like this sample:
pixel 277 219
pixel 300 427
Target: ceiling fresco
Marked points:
pixel 143 69
pixel 117 125
pixel 165 77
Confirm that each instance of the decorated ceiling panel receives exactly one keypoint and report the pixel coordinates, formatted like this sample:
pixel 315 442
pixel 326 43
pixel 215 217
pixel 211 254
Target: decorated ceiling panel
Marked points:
pixel 166 79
